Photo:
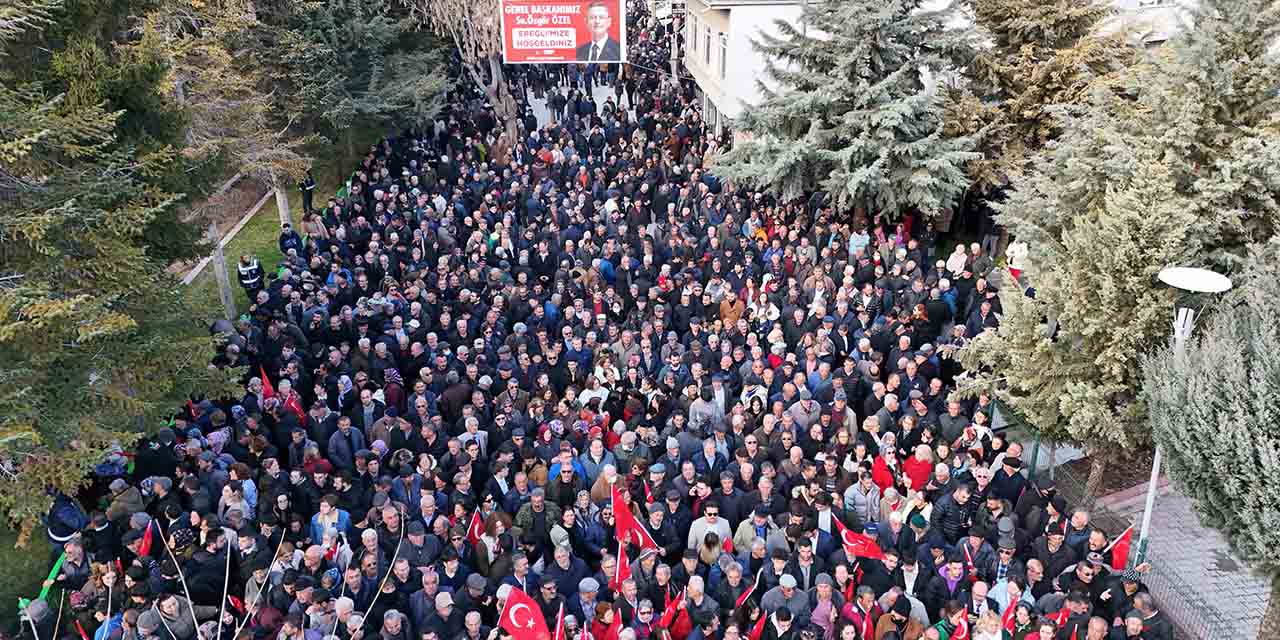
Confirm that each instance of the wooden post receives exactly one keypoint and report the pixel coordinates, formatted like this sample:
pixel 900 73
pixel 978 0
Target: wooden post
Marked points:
pixel 282 200
pixel 220 273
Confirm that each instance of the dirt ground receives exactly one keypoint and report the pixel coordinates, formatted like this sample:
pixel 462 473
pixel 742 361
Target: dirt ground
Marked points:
pixel 225 209
pixel 1121 474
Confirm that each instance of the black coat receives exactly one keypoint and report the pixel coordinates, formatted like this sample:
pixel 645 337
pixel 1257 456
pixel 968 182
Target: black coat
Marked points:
pixel 951 518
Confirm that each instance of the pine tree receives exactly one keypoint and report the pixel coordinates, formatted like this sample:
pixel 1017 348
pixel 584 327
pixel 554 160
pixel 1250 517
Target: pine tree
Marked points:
pixel 359 64
pixel 1038 54
pixel 1214 411
pixel 94 340
pixel 92 58
pixel 1170 162
pixel 232 116
pixel 856 111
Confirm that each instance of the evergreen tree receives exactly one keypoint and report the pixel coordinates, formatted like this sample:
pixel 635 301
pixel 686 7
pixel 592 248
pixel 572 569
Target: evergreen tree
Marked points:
pixel 1169 163
pixel 856 111
pixel 232 115
pixel 1214 411
pixel 358 64
pixel 86 53
pixel 1038 54
pixel 94 340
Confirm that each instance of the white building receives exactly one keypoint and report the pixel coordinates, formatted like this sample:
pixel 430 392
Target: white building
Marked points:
pixel 719 55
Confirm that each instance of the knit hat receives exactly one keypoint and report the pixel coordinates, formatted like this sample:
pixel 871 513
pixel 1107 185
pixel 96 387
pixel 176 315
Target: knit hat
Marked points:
pixel 139 520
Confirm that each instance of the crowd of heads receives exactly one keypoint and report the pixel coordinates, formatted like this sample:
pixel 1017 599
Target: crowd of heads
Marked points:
pixel 497 326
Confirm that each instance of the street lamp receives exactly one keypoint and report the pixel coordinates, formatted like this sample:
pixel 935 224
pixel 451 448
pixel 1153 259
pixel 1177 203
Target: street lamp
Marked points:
pixel 1191 280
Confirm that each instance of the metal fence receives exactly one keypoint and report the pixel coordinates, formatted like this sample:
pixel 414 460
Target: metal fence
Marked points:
pixel 1184 603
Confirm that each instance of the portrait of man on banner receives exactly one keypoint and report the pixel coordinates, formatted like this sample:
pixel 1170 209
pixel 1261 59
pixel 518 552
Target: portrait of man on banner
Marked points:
pixel 602 47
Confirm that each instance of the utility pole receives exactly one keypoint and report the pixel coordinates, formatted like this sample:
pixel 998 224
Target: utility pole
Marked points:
pixel 220 273
pixel 1193 281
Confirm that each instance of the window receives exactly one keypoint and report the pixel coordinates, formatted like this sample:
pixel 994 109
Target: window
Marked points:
pixel 693 33
pixel 724 55
pixel 707 46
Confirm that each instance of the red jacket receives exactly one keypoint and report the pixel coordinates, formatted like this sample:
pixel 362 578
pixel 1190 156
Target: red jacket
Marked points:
pixel 918 470
pixel 881 474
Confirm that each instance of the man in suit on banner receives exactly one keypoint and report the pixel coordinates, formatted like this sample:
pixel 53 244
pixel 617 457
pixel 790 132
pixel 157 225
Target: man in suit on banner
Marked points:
pixel 602 48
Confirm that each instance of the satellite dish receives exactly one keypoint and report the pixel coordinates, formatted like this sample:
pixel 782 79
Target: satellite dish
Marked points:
pixel 1195 280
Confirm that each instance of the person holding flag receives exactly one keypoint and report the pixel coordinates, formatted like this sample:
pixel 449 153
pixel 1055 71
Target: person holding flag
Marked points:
pixel 522 618
pixel 857 544
pixel 626 526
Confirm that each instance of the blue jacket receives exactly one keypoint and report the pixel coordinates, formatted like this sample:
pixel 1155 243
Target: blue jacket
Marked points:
pixel 343 454
pixel 107 628
pixel 317 529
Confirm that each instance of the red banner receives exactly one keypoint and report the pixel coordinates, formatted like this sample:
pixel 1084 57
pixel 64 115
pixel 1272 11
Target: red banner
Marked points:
pixel 537 31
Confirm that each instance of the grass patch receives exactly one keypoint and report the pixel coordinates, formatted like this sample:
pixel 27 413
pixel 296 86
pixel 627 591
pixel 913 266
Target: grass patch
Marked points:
pixel 21 571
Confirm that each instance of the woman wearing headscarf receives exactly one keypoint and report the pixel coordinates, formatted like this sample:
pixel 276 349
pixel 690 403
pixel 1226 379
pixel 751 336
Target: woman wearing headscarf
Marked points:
pixel 393 390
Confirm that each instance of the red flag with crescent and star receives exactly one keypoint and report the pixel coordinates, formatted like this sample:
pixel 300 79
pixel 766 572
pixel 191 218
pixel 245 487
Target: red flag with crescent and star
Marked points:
pixel 625 524
pixel 476 528
pixel 522 618
pixel 857 544
pixel 1060 618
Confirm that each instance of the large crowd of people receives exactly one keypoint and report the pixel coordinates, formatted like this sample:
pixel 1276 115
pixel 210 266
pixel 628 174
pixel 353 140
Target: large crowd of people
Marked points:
pixel 472 358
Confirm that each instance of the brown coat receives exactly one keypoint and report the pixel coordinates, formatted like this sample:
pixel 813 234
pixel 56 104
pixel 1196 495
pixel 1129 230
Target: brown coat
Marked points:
pixel 914 630
pixel 729 313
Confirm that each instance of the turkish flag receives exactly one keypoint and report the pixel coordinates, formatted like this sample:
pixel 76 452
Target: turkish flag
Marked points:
pixel 669 613
pixel 294 404
pixel 144 548
pixel 1120 549
pixel 857 544
pixel 622 572
pixel 267 389
pixel 559 634
pixel 1060 618
pixel 626 526
pixel 522 618
pixel 476 528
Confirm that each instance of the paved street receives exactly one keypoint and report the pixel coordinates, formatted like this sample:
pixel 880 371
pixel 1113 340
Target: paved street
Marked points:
pixel 1193 562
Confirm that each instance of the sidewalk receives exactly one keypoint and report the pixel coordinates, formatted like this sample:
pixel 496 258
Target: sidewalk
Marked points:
pixel 1204 590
